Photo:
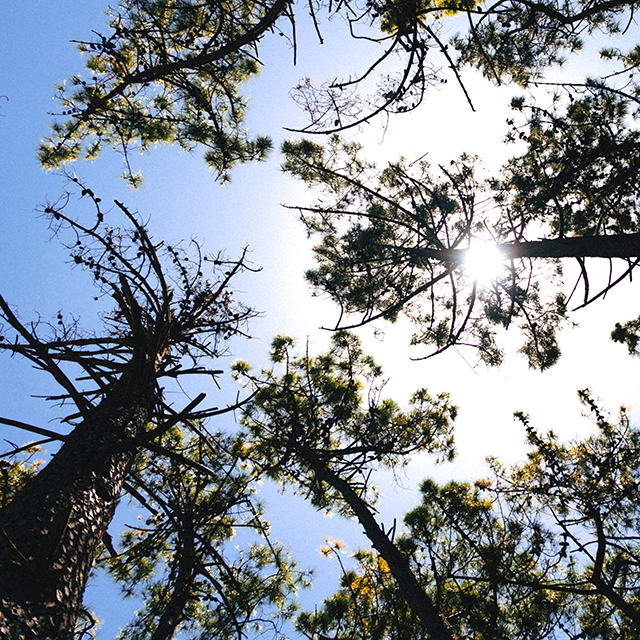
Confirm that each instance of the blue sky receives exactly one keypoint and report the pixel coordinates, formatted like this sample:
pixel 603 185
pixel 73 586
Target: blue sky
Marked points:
pixel 182 200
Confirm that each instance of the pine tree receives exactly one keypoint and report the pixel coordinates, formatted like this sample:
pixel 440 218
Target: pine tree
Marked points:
pixel 311 426
pixel 168 322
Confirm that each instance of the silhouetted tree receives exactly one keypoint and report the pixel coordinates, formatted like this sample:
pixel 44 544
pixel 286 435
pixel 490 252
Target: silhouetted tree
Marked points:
pixel 397 240
pixel 169 321
pixel 547 549
pixel 310 425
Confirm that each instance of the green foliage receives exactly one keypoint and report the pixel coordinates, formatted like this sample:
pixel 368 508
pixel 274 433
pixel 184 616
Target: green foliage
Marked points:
pixel 196 575
pixel 394 240
pixel 310 425
pixel 367 605
pixel 313 416
pixel 518 41
pixel 541 346
pixel 15 472
pixel 548 549
pixel 508 41
pixel 577 176
pixel 169 72
pixel 545 550
pixel 588 490
pixel 399 16
pixel 472 555
pixel 629 334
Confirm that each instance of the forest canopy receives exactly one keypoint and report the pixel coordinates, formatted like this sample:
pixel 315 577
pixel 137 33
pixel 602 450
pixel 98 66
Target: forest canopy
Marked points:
pixel 161 467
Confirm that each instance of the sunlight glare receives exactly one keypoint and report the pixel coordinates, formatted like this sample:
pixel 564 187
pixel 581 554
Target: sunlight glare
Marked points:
pixel 484 262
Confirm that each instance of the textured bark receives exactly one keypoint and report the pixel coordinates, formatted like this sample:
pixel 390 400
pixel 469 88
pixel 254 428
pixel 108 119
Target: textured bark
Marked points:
pixel 420 603
pixel 52 529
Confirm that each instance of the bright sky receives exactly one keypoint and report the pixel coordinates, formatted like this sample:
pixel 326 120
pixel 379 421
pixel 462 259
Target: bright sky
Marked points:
pixel 183 201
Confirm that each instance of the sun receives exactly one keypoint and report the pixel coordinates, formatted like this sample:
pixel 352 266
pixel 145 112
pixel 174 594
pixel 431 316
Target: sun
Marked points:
pixel 484 262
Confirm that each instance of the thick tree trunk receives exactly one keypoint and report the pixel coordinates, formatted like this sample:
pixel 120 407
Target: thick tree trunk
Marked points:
pixel 420 603
pixel 50 532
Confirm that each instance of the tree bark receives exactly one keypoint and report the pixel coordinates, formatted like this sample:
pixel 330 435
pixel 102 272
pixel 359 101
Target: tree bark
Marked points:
pixel 420 603
pixel 50 532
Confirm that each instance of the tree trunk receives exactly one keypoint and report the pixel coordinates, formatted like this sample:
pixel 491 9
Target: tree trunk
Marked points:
pixel 181 587
pixel 420 603
pixel 50 532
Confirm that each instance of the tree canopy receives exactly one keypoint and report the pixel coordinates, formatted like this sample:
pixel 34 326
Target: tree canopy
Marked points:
pixel 179 561
pixel 543 549
pixel 312 426
pixel 166 72
pixel 172 70
pixel 169 322
pixel 547 549
pixel 397 239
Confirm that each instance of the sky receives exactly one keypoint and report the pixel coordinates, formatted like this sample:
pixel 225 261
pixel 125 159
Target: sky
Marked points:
pixel 183 201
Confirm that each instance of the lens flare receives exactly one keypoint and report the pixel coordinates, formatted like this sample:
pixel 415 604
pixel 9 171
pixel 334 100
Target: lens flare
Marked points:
pixel 484 262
